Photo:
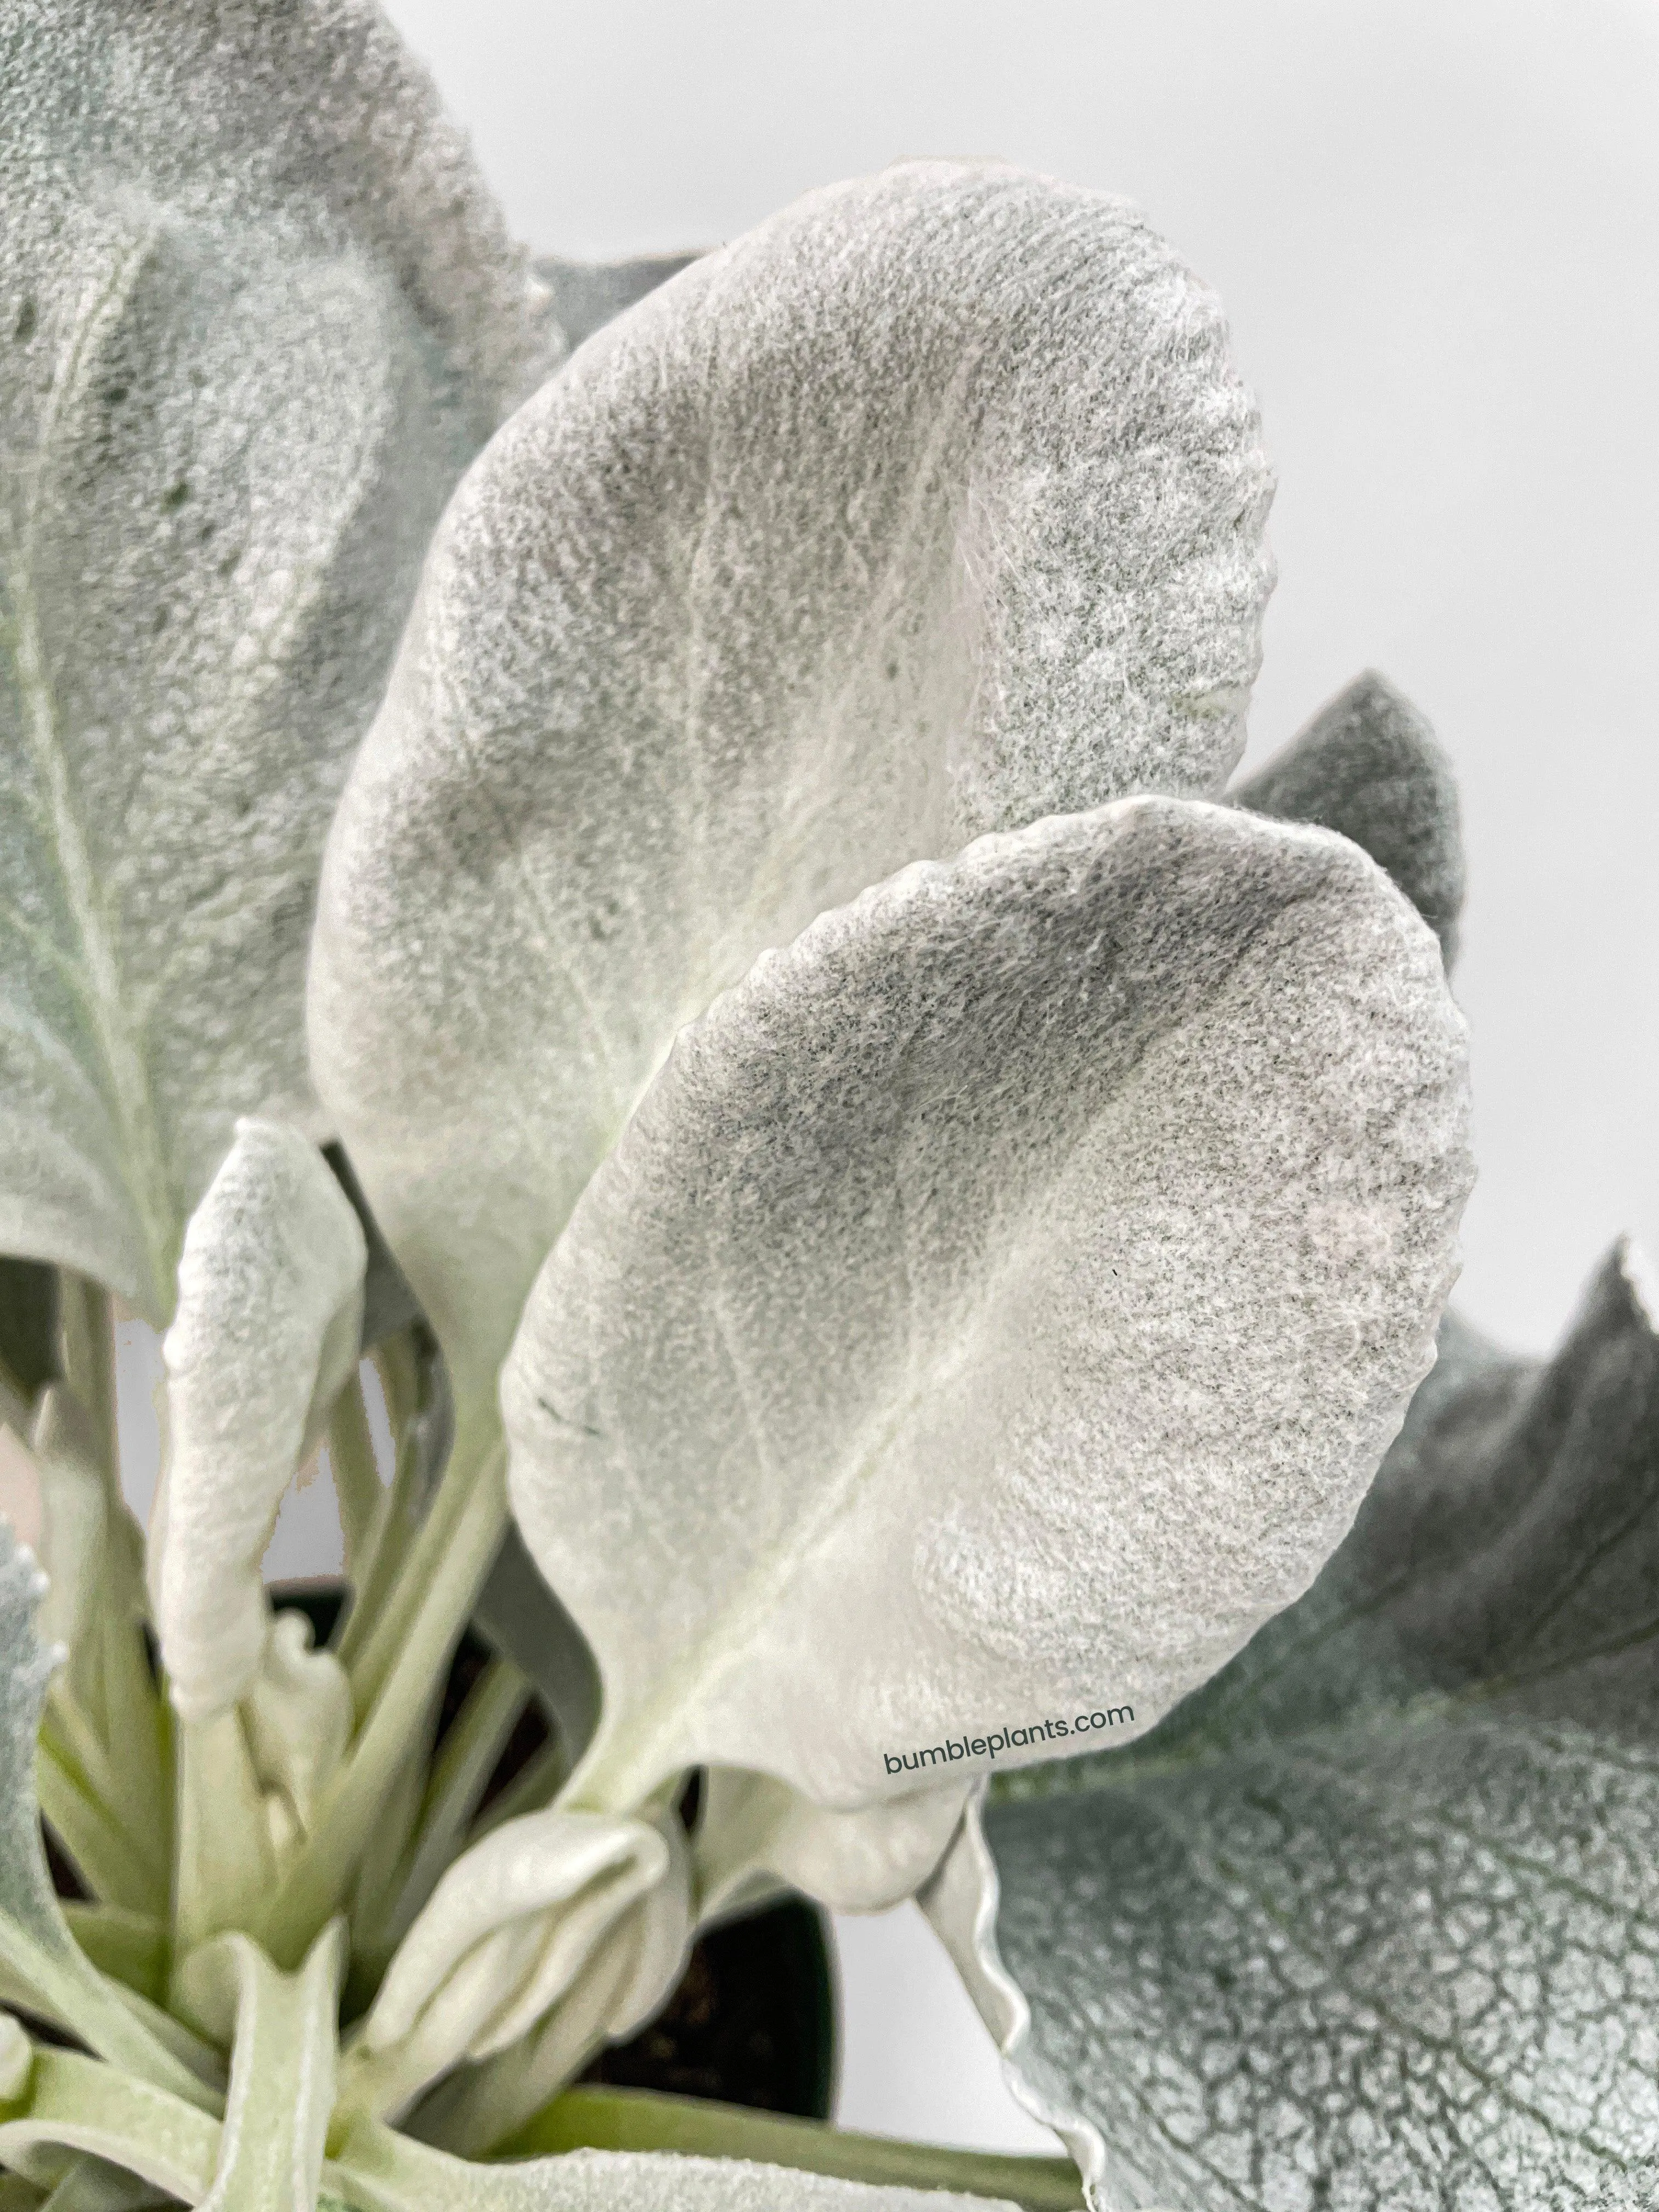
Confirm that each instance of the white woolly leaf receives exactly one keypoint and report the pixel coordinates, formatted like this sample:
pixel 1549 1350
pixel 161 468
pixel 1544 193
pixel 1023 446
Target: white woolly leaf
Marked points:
pixel 256 313
pixel 1005 1296
pixel 931 507
pixel 270 1306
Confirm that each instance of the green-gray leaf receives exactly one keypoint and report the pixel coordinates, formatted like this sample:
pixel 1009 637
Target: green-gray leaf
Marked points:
pixel 1373 1920
pixel 1368 766
pixel 587 294
pixel 257 311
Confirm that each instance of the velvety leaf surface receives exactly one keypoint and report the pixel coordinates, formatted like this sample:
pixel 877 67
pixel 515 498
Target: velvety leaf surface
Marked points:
pixel 257 313
pixel 931 507
pixel 1368 765
pixel 1373 1921
pixel 1005 1296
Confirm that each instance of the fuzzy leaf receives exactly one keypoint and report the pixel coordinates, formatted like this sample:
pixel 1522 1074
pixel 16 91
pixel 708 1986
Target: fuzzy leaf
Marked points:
pixel 1369 1922
pixel 1368 765
pixel 1005 1295
pixel 931 507
pixel 257 313
pixel 270 1311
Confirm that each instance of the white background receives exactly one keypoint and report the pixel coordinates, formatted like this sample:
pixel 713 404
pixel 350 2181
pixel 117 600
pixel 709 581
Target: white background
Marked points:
pixel 1436 226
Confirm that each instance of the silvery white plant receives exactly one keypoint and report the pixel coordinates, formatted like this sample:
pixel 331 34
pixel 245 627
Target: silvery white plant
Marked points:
pixel 861 1167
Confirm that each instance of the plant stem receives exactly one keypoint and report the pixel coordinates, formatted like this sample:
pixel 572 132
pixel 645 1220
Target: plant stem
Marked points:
pixel 477 1445
pixel 125 1947
pixel 357 1479
pixel 87 1341
pixel 109 1682
pixel 641 2119
pixel 448 1575
pixel 113 1866
pixel 464 1765
pixel 378 1567
pixel 535 1786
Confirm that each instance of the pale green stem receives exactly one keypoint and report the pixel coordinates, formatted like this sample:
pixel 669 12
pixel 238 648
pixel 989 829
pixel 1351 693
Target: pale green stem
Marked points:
pixel 226 1863
pixel 61 1984
pixel 536 1785
pixel 639 2119
pixel 378 1873
pixel 86 1331
pixel 472 1506
pixel 138 1735
pixel 464 1765
pixel 198 2057
pixel 377 1573
pixel 282 2077
pixel 114 1869
pixel 112 1674
pixel 478 1446
pixel 356 1480
pixel 128 1947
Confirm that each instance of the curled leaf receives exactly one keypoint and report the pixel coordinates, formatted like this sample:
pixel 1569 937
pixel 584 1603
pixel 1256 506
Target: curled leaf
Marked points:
pixel 932 506
pixel 1369 1920
pixel 257 313
pixel 298 1718
pixel 542 1904
pixel 270 1310
pixel 1005 1295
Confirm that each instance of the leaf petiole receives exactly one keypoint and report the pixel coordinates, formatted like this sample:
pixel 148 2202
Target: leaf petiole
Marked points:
pixel 641 2119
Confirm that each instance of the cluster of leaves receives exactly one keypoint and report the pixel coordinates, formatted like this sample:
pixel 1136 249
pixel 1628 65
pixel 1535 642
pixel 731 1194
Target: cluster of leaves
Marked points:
pixel 853 1158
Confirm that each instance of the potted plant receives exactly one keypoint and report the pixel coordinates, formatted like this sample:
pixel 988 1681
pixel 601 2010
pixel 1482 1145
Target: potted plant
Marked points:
pixel 630 877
